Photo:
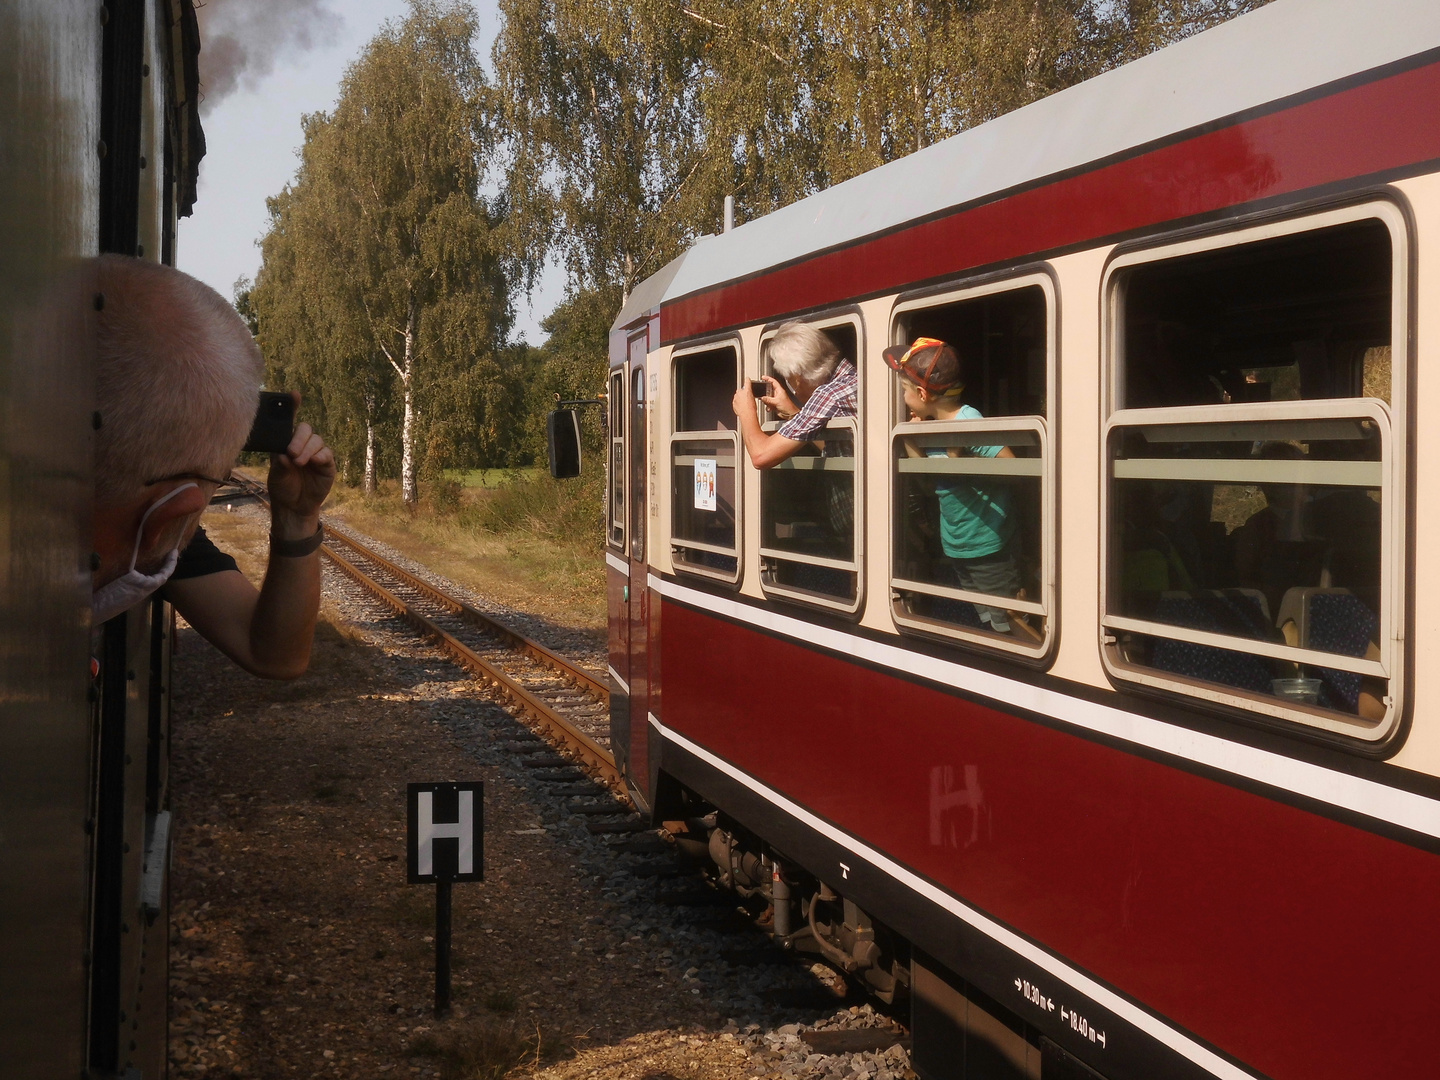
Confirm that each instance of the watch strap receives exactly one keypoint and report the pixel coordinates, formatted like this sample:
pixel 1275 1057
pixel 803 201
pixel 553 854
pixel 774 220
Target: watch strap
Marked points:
pixel 297 549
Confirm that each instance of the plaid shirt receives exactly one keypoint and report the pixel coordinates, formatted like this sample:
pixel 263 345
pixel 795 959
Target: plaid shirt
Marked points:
pixel 834 398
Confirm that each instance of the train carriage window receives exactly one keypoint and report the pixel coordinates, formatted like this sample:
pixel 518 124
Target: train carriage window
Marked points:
pixel 616 488
pixel 704 450
pixel 1253 519
pixel 809 525
pixel 972 553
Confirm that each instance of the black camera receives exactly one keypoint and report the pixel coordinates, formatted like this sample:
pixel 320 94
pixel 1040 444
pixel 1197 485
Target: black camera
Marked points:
pixel 274 425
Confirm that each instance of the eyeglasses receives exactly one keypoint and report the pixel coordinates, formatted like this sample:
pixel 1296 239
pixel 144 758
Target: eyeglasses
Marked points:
pixel 187 476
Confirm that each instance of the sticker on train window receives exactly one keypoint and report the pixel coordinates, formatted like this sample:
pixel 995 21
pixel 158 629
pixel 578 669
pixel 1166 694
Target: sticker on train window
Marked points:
pixel 705 484
pixel 705 504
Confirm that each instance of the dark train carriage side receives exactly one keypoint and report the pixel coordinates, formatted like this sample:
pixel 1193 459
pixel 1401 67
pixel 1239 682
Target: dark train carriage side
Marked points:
pixel 101 146
pixel 1171 823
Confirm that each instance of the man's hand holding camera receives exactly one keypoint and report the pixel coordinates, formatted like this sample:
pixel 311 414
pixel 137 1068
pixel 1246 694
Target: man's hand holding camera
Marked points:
pixel 269 632
pixel 300 480
pixel 174 357
pixel 768 391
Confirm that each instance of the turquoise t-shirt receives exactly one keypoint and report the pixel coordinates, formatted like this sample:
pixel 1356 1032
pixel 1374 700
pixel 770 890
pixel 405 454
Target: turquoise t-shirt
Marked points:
pixel 973 521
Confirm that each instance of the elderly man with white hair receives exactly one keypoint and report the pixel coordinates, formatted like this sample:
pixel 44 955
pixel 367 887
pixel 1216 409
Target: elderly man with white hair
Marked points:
pixel 823 383
pixel 177 383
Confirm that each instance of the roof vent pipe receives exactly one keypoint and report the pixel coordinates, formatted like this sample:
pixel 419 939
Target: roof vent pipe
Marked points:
pixel 729 212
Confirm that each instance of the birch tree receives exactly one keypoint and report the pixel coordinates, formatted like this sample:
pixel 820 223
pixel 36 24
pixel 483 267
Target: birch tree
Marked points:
pixel 599 100
pixel 398 176
pixel 309 319
pixel 628 123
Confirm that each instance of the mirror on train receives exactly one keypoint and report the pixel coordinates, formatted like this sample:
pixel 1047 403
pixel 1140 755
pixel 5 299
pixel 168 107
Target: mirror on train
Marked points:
pixel 562 434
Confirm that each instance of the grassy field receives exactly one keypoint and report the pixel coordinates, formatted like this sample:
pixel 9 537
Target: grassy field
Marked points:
pixel 519 537
pixel 492 478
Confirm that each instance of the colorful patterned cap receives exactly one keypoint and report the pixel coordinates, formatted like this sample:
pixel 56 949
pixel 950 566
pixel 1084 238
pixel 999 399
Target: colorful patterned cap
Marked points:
pixel 927 362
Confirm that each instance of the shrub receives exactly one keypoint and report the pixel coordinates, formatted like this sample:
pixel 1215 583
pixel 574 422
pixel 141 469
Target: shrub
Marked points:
pixel 567 511
pixel 443 495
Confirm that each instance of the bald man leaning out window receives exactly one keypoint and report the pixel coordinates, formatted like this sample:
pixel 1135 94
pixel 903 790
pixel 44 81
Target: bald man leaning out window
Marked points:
pixel 177 380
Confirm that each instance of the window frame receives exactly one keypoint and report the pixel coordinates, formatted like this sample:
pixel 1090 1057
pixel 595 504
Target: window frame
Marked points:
pixel 1046 425
pixel 855 425
pixel 677 435
pixel 637 405
pixel 617 403
pixel 1393 420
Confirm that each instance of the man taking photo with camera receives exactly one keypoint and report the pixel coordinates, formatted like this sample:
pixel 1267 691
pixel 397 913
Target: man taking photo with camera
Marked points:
pixel 177 381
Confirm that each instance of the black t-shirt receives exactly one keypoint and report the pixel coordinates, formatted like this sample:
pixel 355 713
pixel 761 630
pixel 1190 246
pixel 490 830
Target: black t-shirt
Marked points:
pixel 201 557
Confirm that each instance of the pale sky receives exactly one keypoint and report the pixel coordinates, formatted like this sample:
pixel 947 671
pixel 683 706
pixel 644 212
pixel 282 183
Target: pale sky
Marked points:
pixel 252 136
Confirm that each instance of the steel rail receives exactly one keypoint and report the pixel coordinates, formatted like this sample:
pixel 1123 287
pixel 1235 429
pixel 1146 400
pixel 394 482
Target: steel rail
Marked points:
pixel 513 638
pixel 591 753
pixel 517 641
pixel 587 749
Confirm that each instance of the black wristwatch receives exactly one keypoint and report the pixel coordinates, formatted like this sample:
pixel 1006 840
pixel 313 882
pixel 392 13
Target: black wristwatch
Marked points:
pixel 297 549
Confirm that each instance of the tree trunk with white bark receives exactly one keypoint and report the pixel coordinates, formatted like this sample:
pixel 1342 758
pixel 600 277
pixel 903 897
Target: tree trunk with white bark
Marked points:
pixel 409 489
pixel 369 446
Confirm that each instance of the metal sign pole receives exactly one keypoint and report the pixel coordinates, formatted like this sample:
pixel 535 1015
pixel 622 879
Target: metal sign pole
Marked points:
pixel 442 948
pixel 445 843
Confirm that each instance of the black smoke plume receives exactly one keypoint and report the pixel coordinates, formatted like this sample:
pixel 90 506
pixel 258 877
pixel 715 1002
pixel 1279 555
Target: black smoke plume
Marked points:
pixel 241 41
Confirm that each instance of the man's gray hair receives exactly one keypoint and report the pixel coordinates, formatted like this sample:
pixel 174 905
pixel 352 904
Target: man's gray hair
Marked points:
pixel 799 349
pixel 177 378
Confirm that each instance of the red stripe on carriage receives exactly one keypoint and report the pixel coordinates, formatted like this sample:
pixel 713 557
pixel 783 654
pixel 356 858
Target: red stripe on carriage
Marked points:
pixel 1387 124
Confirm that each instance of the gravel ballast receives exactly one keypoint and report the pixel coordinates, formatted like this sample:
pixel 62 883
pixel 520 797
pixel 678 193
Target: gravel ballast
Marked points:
pixel 297 948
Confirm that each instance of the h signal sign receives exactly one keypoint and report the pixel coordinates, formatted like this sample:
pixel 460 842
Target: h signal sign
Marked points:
pixel 446 832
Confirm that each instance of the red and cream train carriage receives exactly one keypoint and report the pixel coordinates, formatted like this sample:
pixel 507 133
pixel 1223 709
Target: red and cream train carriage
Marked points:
pixel 1184 819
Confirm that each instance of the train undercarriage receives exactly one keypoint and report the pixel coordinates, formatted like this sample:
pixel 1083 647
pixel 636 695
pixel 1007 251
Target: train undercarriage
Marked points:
pixel 951 1021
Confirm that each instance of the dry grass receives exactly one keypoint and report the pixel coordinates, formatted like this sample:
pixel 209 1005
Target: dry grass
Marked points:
pixel 531 543
pixel 484 1049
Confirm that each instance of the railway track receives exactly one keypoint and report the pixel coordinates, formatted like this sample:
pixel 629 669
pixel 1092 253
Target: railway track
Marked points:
pixel 566 705
pixel 566 709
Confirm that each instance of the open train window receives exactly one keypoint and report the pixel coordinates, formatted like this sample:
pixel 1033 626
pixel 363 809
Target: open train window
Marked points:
pixel 810 524
pixel 704 452
pixel 973 549
pixel 1254 516
pixel 615 490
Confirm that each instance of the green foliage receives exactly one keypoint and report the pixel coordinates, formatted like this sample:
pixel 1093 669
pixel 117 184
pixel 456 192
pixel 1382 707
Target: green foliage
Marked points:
pixel 627 124
pixel 445 494
pixel 562 511
pixel 609 138
pixel 382 290
pixel 599 104
pixel 572 364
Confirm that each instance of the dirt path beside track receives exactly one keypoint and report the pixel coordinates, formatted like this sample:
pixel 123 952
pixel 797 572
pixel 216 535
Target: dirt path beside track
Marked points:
pixel 299 950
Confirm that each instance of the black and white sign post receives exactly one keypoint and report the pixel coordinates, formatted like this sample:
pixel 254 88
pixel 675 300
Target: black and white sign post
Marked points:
pixel 446 845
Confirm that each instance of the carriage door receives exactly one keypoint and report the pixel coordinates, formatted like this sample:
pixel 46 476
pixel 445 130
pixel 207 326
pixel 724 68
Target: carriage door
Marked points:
pixel 617 566
pixel 639 767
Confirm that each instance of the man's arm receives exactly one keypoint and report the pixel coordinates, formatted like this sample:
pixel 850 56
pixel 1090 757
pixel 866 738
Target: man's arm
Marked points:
pixel 765 448
pixel 269 632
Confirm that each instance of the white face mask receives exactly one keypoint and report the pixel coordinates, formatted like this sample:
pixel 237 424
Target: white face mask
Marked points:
pixel 132 587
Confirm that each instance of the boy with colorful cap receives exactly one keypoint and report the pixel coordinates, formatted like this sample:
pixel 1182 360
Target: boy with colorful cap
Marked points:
pixel 976 524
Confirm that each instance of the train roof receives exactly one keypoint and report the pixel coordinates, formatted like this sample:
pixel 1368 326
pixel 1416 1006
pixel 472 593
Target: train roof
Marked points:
pixel 1277 52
